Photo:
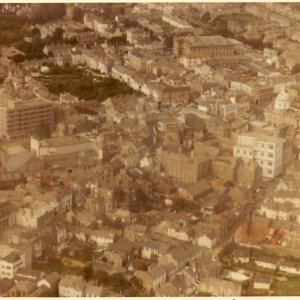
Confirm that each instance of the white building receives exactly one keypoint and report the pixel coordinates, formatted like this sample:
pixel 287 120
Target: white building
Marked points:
pixel 265 150
pixel 11 261
pixel 71 286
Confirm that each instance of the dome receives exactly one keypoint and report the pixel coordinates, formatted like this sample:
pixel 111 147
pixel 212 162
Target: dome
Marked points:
pixel 282 101
pixel 283 96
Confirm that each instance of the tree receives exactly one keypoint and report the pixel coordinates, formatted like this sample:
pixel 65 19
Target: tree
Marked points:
pixel 77 14
pixel 88 272
pixel 102 277
pixel 137 283
pixel 18 58
pixel 58 34
pixel 118 282
pixel 36 32
pixel 296 68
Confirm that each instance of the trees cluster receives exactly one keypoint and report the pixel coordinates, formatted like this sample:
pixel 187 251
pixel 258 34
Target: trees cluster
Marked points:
pixel 49 11
pixel 116 281
pixel 85 87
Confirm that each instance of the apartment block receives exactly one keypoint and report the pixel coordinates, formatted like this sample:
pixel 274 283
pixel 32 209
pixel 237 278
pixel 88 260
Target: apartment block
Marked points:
pixel 265 150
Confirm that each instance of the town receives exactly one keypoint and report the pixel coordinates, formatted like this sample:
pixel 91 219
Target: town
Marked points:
pixel 149 149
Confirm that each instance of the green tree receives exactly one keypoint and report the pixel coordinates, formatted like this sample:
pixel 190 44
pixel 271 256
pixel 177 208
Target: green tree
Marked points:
pixel 118 282
pixel 36 32
pixel 296 68
pixel 58 35
pixel 137 283
pixel 18 58
pixel 77 14
pixel 88 272
pixel 102 277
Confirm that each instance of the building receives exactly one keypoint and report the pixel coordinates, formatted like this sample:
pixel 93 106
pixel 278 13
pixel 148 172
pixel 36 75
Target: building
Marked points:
pixel 20 118
pixel 262 281
pixel 265 150
pixel 186 169
pixel 194 50
pixel 11 261
pixel 71 286
pixel 225 167
pixel 260 92
pixel 282 112
pixel 220 287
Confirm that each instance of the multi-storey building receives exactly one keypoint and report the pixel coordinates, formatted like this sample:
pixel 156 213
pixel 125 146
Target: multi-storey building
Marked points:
pixel 260 92
pixel 11 261
pixel 21 118
pixel 265 150
pixel 196 49
pixel 282 112
pixel 183 168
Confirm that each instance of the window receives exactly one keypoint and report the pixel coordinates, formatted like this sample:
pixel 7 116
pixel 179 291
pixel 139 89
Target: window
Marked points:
pixel 269 172
pixel 270 163
pixel 271 147
pixel 270 155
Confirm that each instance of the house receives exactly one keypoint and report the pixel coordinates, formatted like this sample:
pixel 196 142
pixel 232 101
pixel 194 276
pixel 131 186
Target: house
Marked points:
pixel 262 281
pixel 266 262
pixel 207 239
pixel 153 279
pixel 11 261
pixel 208 267
pixel 196 191
pixel 94 291
pixel 27 274
pixel 50 281
pixel 241 255
pixel 71 286
pixel 236 276
pixel 151 248
pixel 219 287
pixel 181 256
pixel 135 232
pixel 290 267
pixel 22 289
pixel 103 237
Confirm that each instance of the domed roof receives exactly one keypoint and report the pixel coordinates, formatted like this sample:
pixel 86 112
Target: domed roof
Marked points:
pixel 283 96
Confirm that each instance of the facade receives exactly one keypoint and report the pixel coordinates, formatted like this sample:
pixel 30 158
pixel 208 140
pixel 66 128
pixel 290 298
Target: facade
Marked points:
pixel 260 92
pixel 282 113
pixel 290 267
pixel 225 168
pixel 184 168
pixel 219 287
pixel 10 262
pixel 262 281
pixel 198 49
pixel 20 118
pixel 265 150
pixel 71 286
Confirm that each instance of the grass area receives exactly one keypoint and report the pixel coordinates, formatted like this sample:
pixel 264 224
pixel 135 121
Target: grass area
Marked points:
pixel 286 288
pixel 84 86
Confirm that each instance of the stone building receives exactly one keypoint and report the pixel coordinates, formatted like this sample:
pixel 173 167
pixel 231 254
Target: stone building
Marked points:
pixel 185 168
pixel 282 112
pixel 225 168
pixel 196 49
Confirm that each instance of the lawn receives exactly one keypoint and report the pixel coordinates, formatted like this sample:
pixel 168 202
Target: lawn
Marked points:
pixel 286 288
